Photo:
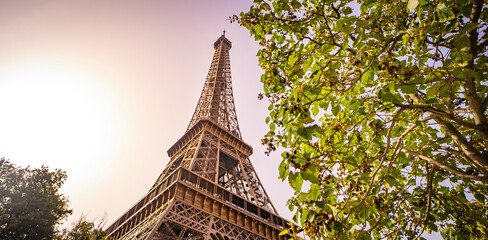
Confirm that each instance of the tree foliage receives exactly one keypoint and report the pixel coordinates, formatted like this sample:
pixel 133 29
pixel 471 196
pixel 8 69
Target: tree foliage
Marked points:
pixel 30 202
pixel 381 107
pixel 83 229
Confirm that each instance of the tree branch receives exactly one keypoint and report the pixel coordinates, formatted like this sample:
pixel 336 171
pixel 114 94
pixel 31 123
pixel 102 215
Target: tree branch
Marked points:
pixel 474 101
pixel 476 158
pixel 446 167
pixel 440 113
pixel 336 11
pixel 466 147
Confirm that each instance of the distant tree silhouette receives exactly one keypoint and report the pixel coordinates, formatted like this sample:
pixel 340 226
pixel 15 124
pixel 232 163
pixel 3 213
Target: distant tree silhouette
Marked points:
pixel 30 202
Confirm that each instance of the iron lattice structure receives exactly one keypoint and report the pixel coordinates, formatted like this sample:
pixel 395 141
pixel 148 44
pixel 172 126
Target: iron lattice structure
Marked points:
pixel 209 189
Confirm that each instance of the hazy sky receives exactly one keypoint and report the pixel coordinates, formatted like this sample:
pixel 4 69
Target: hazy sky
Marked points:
pixel 103 88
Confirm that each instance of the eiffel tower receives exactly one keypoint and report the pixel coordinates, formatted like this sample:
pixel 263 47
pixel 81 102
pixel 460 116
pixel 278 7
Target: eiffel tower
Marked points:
pixel 209 189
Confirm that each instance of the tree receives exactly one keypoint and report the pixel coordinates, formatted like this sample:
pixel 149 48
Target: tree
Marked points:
pixel 381 107
pixel 83 229
pixel 30 202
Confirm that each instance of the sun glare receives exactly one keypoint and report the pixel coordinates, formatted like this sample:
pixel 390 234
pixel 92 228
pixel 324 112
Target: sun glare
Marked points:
pixel 53 115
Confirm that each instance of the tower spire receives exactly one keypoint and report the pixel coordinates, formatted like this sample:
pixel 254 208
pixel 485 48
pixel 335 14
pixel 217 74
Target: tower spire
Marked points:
pixel 216 102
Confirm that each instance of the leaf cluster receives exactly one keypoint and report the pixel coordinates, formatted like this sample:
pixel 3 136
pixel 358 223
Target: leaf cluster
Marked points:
pixel 381 107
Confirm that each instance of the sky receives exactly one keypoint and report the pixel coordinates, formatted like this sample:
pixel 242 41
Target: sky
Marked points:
pixel 103 88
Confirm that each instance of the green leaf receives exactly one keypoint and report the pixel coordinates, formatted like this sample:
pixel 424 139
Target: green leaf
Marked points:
pixel 464 73
pixel 392 87
pixel 336 109
pixel 281 39
pixel 390 181
pixel 462 42
pixel 295 4
pixel 316 67
pixel 347 10
pixel 388 97
pixel 326 48
pixel 306 64
pixel 296 181
pixel 355 105
pixel 310 174
pixel 405 39
pixel 283 169
pixel 265 6
pixel 308 132
pixel 412 5
pixel 367 76
pixel 314 192
pixel 409 89
pixel 347 29
pixel 432 92
pixel 340 23
pixel 315 109
pixel 443 13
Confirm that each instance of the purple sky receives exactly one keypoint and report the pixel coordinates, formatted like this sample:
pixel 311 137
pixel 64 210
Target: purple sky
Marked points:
pixel 102 89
